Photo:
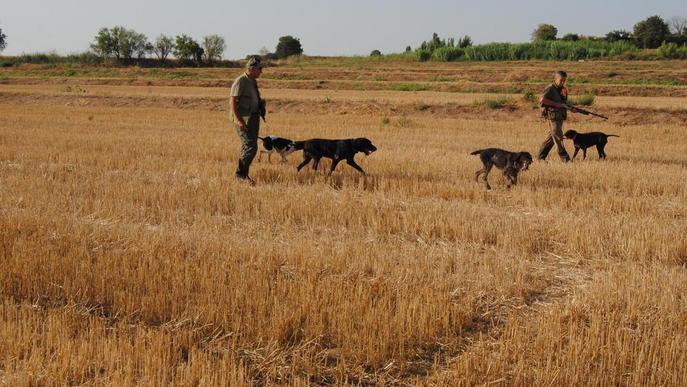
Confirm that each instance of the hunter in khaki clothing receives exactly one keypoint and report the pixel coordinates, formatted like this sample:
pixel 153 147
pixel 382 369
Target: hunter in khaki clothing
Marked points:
pixel 554 101
pixel 246 108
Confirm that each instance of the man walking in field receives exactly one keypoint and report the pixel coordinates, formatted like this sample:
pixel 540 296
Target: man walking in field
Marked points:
pixel 246 108
pixel 554 101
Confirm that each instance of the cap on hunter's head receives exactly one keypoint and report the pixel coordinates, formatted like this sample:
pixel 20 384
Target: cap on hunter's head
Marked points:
pixel 254 62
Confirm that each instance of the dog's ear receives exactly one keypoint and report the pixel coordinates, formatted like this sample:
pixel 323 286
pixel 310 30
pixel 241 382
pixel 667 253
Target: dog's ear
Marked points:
pixel 514 160
pixel 267 143
pixel 357 144
pixel 363 144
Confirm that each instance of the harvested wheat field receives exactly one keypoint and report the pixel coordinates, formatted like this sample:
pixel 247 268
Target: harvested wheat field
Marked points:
pixel 130 255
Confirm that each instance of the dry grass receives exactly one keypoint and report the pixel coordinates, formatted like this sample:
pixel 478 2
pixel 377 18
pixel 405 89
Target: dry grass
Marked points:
pixel 130 255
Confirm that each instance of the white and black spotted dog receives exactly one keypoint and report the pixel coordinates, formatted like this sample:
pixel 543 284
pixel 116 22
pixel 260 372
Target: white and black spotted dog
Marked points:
pixel 283 146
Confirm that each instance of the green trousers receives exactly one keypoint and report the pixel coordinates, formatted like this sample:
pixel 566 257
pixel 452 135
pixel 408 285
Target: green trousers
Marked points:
pixel 555 137
pixel 249 143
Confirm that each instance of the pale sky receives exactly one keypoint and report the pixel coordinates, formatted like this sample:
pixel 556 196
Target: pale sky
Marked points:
pixel 353 27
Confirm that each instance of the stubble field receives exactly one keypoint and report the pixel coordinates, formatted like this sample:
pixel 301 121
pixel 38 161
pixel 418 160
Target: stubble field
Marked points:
pixel 130 255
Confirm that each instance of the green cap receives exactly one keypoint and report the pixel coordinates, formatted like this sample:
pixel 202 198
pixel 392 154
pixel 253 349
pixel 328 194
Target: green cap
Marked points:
pixel 255 62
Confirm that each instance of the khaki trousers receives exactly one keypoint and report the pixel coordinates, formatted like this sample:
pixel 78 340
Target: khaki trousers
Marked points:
pixel 555 137
pixel 249 143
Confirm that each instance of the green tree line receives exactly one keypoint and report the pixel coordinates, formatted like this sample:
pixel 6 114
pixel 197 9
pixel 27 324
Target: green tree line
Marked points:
pixel 669 38
pixel 126 44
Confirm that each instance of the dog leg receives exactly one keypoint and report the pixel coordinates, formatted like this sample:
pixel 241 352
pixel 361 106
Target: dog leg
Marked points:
pixel 283 159
pixel 575 154
pixel 306 160
pixel 487 170
pixel 353 164
pixel 584 153
pixel 512 179
pixel 600 150
pixel 316 163
pixel 335 162
pixel 478 173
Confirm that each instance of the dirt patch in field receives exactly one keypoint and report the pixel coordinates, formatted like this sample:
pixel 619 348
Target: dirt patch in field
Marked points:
pixel 619 116
pixel 457 86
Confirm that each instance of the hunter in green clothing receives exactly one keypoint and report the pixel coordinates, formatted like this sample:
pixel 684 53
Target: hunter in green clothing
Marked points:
pixel 554 101
pixel 246 108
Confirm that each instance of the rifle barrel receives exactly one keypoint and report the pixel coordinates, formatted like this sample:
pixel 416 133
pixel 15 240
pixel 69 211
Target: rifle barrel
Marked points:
pixel 587 112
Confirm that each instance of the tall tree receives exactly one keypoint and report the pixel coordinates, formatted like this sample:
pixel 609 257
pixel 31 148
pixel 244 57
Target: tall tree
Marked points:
pixel 139 44
pixel 287 46
pixel 163 46
pixel 465 41
pixel 678 25
pixel 106 43
pixel 3 40
pixel 120 43
pixel 545 32
pixel 188 49
pixel 618 35
pixel 214 47
pixel 650 33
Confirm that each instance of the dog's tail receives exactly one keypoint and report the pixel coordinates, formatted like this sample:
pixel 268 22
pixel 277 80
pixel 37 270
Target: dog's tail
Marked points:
pixel 298 145
pixel 612 135
pixel 477 152
pixel 262 138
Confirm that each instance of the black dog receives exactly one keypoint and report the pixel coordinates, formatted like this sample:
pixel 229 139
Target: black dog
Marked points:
pixel 336 150
pixel 283 146
pixel 510 162
pixel 586 140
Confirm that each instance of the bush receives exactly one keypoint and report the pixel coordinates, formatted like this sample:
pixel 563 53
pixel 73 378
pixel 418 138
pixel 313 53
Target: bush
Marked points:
pixel 544 50
pixel 422 106
pixel 410 87
pixel 87 58
pixel 530 96
pixel 404 122
pixel 39 58
pixel 448 54
pixel 376 53
pixel 423 55
pixel 672 51
pixel 619 35
pixel 583 100
pixel 497 103
pixel 440 78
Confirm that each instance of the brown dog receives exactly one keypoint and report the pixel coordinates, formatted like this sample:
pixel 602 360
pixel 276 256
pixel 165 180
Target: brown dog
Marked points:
pixel 510 162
